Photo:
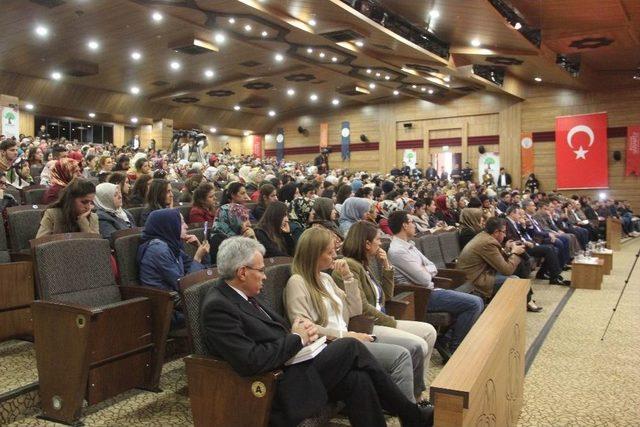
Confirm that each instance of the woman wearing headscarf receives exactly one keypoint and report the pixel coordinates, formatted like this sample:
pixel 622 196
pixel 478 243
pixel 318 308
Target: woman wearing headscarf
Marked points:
pixel 111 216
pixel 471 223
pixel 62 172
pixel 386 208
pixel 161 257
pixel 19 175
pixel 354 209
pixel 233 220
pixel 443 213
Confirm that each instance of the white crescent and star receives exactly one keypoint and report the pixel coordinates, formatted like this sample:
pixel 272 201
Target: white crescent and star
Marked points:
pixel 580 152
pixel 345 132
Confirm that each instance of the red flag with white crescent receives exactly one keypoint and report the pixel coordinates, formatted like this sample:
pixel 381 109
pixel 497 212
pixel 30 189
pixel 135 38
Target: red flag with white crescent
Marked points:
pixel 581 152
pixel 633 151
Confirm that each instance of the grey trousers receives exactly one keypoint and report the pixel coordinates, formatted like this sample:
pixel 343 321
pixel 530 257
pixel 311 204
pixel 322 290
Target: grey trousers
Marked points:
pixel 396 361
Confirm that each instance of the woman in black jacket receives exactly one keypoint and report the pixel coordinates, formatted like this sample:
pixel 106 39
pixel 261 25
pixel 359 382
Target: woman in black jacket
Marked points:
pixel 111 216
pixel 273 231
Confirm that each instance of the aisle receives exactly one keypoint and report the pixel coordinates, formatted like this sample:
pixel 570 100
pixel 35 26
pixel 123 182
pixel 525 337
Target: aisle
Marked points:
pixel 577 379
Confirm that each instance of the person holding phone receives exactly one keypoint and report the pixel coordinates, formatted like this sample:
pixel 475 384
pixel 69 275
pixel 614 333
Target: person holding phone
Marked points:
pixel 312 294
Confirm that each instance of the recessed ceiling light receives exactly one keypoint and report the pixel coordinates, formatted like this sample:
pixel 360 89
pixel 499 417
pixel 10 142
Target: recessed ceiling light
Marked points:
pixel 517 25
pixel 213 130
pixel 272 113
pixel 396 92
pixel 42 31
pixel 56 75
pixel 248 28
pixel 208 73
pixel 377 74
pixel 29 106
pixel 309 50
pixel 359 43
pixel 92 115
pixel 279 57
pixel 368 70
pixel 157 16
pixel 232 20
pixel 475 42
pixel 387 77
pixel 291 92
pixel 134 90
pixel 134 120
pixel 264 34
pixel 335 101
pixel 175 65
pixel 219 38
pixel 538 79
pixel 236 107
pixel 93 44
pixel 423 89
pixel 414 86
pixel 246 133
pixel 334 59
pixel 372 85
pixel 136 56
pixel 321 55
pixel 434 14
pixel 430 91
pixel 447 78
pixel 312 22
pixel 313 97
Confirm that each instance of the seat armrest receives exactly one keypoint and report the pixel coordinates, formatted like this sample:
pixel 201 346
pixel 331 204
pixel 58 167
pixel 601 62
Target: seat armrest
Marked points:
pixel 213 384
pixel 443 283
pixel 20 256
pixel 457 276
pixel 401 306
pixel 421 295
pixel 361 323
pixel 452 264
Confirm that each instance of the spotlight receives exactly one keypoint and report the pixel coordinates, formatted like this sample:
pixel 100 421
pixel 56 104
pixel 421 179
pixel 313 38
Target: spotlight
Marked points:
pixel 208 73
pixel 29 106
pixel 279 57
pixel 92 115
pixel 368 70
pixel 313 97
pixel 213 130
pixel 236 107
pixel 538 79
pixel 232 20
pixel 517 25
pixel 248 28
pixel 246 133
pixel 264 34
pixel 475 42
pixel 309 50
pixel 636 76
pixel 335 101
pixel 359 43
pixel 430 91
pixel 219 38
pixel 334 59
pixel 136 56
pixel 93 45
pixel 175 65
pixel 321 55
pixel 157 16
pixel 272 113
pixel 134 90
pixel 42 31
pixel 312 22
pixel 291 92
pixel 396 92
pixel 134 120
pixel 56 75
pixel 387 77
pixel 372 85
pixel 434 14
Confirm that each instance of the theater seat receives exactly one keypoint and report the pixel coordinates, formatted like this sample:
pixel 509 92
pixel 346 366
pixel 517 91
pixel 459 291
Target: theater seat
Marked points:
pixel 450 247
pixel 33 194
pixel 125 244
pixel 136 212
pixel 184 209
pixel 429 245
pixel 24 222
pixel 93 339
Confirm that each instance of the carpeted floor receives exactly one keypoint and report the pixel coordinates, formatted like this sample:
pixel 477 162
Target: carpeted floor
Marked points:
pixel 574 380
pixel 17 365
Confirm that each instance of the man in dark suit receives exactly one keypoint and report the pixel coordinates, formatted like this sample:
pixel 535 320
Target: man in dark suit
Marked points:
pixel 431 173
pixel 254 339
pixel 504 179
pixel 505 201
pixel 467 172
pixel 134 143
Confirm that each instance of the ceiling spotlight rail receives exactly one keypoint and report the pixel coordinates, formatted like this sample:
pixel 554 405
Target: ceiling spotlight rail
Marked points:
pixel 534 35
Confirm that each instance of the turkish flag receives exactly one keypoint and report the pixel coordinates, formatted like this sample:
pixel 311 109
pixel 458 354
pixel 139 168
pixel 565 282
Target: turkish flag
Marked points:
pixel 633 151
pixel 581 152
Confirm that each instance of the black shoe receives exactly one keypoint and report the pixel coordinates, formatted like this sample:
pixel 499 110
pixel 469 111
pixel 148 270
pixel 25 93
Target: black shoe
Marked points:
pixel 532 307
pixel 559 281
pixel 541 276
pixel 566 268
pixel 425 403
pixel 444 352
pixel 427 414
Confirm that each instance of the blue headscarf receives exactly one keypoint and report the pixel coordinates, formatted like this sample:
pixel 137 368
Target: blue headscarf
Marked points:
pixel 165 225
pixel 353 209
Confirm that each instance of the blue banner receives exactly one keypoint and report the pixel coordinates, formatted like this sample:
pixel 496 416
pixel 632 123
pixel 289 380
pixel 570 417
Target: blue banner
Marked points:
pixel 345 133
pixel 280 144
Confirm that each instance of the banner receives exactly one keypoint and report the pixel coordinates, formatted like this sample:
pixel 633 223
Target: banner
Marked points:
pixel 10 122
pixel 257 146
pixel 489 162
pixel 633 151
pixel 280 144
pixel 526 154
pixel 581 152
pixel 409 158
pixel 346 139
pixel 324 135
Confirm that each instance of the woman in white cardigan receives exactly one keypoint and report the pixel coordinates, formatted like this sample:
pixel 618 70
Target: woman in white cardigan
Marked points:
pixel 313 294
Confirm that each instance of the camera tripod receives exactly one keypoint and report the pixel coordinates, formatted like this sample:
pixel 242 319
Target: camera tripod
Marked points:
pixel 626 282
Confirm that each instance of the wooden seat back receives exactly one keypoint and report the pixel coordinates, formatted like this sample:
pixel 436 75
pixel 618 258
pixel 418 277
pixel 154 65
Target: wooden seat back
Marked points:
pixel 273 287
pixel 184 209
pixel 483 383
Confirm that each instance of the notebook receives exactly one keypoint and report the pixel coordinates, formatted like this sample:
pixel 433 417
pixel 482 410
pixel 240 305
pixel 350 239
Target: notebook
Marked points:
pixel 308 352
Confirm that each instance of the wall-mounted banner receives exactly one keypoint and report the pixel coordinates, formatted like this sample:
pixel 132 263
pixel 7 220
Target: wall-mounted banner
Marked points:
pixel 345 133
pixel 280 144
pixel 409 157
pixel 257 146
pixel 633 151
pixel 324 134
pixel 581 152
pixel 526 154
pixel 491 162
pixel 10 122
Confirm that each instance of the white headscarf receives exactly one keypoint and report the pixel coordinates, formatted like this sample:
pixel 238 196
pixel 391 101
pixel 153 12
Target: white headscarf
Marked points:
pixel 105 193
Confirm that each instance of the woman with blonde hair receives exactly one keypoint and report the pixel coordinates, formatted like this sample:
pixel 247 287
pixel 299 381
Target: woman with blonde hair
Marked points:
pixel 312 294
pixel 374 274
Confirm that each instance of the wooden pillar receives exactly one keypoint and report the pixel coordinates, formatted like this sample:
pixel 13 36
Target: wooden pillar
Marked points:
pixel 162 132
pixel 118 135
pixel 464 133
pixel 510 127
pixel 387 148
pixel 145 132
pixel 27 123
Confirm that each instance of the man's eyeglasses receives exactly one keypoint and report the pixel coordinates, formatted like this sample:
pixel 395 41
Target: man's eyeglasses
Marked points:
pixel 261 270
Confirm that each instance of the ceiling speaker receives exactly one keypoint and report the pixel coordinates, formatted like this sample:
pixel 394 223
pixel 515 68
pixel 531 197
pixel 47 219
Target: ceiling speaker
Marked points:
pixel 364 138
pixel 408 125
pixel 617 156
pixel 481 149
pixel 303 131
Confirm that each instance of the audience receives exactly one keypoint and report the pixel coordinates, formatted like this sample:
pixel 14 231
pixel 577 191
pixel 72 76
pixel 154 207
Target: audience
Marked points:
pixel 204 205
pixel 159 196
pixel 139 190
pixel 111 216
pixel 61 174
pixel 273 231
pixel 267 194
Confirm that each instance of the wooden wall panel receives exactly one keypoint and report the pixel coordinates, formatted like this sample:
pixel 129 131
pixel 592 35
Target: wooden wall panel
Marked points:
pixel 118 135
pixel 27 123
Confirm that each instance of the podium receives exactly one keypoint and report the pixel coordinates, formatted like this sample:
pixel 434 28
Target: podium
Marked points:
pixel 614 233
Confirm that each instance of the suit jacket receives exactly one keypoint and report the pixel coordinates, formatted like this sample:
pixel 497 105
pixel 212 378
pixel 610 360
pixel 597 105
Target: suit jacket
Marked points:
pixel 431 174
pixel 482 258
pixel 252 343
pixel 507 178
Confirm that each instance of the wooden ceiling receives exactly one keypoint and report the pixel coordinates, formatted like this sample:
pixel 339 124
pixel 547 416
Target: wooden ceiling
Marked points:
pixel 247 74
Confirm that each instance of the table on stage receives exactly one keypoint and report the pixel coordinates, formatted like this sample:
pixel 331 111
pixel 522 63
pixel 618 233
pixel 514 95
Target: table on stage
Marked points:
pixel 587 273
pixel 607 256
pixel 613 233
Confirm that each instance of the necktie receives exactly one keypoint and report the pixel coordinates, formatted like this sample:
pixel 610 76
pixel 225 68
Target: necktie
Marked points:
pixel 255 305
